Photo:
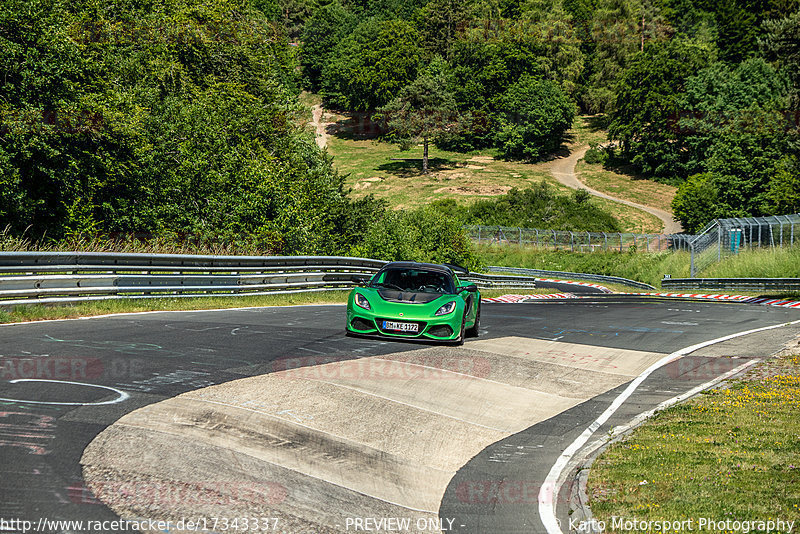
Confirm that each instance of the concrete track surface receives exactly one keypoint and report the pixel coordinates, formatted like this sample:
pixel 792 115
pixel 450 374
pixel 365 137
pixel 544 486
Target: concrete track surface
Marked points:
pixel 273 413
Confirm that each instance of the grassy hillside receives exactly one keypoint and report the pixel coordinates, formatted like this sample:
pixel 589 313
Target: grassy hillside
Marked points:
pixel 383 170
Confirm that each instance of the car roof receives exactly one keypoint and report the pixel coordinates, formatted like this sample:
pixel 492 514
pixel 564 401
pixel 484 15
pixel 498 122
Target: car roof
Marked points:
pixel 421 266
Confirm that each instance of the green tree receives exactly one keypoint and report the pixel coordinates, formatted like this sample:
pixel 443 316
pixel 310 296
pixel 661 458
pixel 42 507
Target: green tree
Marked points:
pixel 744 156
pixel 697 202
pixel 616 37
pixel 719 96
pixel 322 33
pixel 487 60
pixel 560 55
pixel 783 194
pixel 781 44
pixel 539 206
pixel 167 121
pixel 533 116
pixel 648 101
pixel 439 23
pixel 370 66
pixel 424 110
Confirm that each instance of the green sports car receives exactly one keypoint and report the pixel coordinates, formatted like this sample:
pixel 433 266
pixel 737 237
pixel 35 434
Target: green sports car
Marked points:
pixel 415 300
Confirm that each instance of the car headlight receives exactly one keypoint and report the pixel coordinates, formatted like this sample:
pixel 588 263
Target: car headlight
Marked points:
pixel 361 301
pixel 450 307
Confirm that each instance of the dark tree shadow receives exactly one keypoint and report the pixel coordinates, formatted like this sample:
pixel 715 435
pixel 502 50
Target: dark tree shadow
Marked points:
pixel 408 167
pixel 598 123
pixel 356 126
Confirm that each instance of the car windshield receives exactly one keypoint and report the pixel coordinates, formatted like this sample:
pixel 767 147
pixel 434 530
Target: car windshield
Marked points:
pixel 417 280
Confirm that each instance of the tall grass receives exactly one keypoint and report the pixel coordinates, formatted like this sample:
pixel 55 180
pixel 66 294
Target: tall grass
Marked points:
pixel 760 263
pixel 167 244
pixel 646 267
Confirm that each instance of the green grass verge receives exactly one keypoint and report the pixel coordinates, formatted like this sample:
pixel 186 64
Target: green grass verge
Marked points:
pixel 732 453
pixel 40 312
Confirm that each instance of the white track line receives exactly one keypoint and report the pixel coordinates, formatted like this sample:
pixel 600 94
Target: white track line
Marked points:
pixel 549 489
pixel 121 395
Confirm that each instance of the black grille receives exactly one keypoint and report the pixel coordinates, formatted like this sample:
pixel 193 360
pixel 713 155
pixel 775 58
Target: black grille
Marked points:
pixel 362 324
pixel 420 327
pixel 442 330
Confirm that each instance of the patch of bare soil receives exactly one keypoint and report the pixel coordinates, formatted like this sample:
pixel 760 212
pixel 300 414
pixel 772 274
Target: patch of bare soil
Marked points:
pixel 475 189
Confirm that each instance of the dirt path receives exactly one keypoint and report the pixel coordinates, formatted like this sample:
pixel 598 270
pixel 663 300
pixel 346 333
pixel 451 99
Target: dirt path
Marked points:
pixel 564 171
pixel 319 127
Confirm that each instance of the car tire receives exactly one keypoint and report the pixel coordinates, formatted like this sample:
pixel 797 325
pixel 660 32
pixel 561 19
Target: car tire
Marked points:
pixel 460 340
pixel 473 330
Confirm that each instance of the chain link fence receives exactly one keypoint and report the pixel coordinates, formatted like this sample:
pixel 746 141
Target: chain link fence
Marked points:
pixel 576 241
pixel 722 238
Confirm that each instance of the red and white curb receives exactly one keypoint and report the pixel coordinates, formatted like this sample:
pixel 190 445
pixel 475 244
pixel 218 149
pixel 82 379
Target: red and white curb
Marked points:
pixel 513 299
pixel 702 296
pixel 736 298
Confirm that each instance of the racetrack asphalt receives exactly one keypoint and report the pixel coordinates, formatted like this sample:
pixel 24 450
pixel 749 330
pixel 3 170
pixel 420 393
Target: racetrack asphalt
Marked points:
pixel 155 357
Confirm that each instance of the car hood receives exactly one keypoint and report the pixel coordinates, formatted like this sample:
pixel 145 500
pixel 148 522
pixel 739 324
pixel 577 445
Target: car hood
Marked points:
pixel 408 297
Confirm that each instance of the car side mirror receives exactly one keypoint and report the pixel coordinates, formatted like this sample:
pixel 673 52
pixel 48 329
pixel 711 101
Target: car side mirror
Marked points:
pixel 471 287
pixel 359 280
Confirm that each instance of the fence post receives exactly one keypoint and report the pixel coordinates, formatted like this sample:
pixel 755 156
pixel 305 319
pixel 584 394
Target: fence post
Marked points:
pixel 792 233
pixel 719 243
pixel 647 246
pixel 537 237
pixel 620 241
pixel 479 234
pixel 572 241
pixel 520 235
pixel 554 240
pixel 605 241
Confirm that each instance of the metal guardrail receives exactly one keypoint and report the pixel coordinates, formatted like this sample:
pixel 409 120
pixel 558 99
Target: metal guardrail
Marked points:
pixel 576 276
pixel 47 277
pixel 744 284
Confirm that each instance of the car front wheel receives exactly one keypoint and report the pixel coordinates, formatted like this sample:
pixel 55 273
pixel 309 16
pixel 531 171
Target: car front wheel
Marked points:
pixel 473 330
pixel 460 340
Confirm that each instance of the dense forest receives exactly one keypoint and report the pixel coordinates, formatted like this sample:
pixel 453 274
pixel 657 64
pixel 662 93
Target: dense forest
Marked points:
pixel 181 117
pixel 703 95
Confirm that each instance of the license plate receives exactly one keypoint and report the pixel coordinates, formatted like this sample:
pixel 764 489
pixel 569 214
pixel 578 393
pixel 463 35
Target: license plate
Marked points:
pixel 400 327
